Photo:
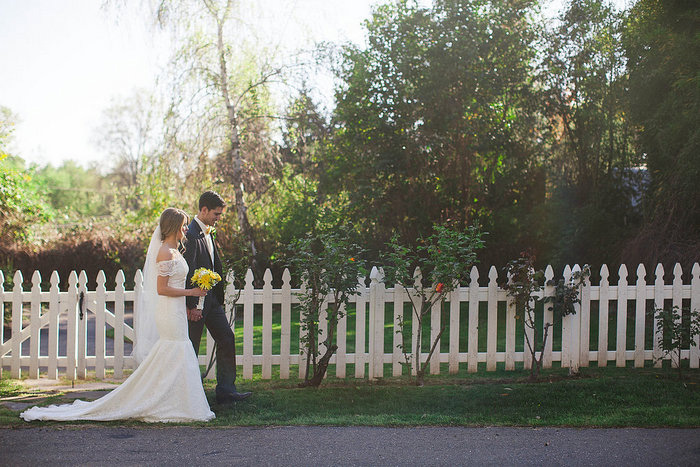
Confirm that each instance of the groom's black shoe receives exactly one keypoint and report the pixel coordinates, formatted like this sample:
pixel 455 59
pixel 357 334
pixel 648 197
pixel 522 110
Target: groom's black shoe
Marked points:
pixel 234 396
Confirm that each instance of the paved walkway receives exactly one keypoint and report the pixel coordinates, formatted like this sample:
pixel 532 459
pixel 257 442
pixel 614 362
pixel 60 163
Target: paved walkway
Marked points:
pixel 88 444
pixel 99 445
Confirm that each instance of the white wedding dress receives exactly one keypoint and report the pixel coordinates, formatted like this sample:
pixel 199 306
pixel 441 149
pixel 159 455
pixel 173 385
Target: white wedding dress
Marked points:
pixel 166 386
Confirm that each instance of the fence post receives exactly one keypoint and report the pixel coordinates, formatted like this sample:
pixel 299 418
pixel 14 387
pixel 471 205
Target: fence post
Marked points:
pixel 267 325
pixel 695 306
pixel 639 318
pixel 548 316
pixel 473 339
pixel 248 305
pixel 492 327
pixel 35 326
pixel 72 327
pixel 100 339
pixel 119 324
pixel 17 325
pixel 658 305
pixel 603 316
pixel 285 324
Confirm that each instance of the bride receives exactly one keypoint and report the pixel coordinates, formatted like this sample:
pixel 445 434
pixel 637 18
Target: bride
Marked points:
pixel 166 386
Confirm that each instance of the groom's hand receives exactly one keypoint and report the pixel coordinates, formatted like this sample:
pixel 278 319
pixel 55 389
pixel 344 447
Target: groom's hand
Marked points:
pixel 194 314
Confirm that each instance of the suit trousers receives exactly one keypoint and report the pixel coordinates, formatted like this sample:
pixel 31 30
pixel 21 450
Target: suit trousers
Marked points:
pixel 217 324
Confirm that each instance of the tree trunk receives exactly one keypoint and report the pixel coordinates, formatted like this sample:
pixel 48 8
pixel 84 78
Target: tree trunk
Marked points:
pixel 234 153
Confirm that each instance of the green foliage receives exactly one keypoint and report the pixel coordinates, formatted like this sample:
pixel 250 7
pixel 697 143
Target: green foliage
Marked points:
pixel 663 49
pixel 21 204
pixel 445 257
pixel 523 283
pixel 434 119
pixel 677 329
pixel 329 265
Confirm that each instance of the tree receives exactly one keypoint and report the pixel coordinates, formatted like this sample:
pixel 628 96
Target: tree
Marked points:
pixel 329 264
pixel 435 120
pixel 220 81
pixel 131 133
pixel 589 140
pixel 440 261
pixel 523 283
pixel 663 52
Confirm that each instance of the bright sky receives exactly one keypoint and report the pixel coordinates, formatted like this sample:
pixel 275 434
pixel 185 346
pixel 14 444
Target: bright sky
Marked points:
pixel 62 62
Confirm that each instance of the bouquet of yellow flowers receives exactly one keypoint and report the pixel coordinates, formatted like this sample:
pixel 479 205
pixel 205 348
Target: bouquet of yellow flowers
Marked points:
pixel 205 279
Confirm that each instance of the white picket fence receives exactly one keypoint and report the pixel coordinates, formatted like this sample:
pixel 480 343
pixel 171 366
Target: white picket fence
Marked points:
pixel 54 310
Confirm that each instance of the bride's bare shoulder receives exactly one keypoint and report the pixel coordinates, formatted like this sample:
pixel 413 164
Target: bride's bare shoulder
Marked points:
pixel 164 254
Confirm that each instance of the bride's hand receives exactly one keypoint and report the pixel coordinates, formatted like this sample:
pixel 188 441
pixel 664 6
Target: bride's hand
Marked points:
pixel 197 292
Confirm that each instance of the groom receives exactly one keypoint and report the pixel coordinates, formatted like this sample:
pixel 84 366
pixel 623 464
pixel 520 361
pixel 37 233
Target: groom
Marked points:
pixel 201 252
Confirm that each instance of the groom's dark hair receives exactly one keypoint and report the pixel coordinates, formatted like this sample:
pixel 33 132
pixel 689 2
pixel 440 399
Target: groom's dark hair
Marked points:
pixel 211 200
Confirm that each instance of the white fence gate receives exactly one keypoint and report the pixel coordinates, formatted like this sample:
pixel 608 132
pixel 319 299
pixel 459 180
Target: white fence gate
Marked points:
pixel 63 317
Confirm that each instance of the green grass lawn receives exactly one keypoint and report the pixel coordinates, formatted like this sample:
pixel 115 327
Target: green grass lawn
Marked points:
pixel 605 397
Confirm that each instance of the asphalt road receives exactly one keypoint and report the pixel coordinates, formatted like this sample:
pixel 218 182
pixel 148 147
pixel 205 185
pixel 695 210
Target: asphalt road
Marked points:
pixel 94 444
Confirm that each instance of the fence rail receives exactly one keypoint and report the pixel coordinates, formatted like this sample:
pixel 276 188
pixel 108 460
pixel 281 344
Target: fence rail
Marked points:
pixel 50 333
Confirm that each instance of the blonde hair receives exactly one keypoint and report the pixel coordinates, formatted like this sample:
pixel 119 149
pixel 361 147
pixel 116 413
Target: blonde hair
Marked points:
pixel 171 221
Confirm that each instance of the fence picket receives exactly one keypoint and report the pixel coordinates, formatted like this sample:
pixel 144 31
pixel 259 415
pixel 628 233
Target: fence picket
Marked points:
pixel 82 325
pixel 548 317
pixel 473 338
pixel 621 341
pixel 658 305
pixel 603 316
pixel 585 323
pixel 100 343
pixel 17 325
pixel 72 327
pixel 248 301
pixel 510 334
pixel 377 305
pixel 54 310
pixel 492 336
pixel 566 326
pixel 35 326
pixel 435 325
pixel 417 281
pixel 267 325
pixel 303 332
pixel 396 353
pixel 677 293
pixel 285 324
pixel 119 324
pixel 453 360
pixel 360 316
pixel 639 316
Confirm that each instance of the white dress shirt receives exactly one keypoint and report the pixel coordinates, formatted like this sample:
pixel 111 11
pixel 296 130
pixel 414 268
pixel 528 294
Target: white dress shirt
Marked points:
pixel 207 237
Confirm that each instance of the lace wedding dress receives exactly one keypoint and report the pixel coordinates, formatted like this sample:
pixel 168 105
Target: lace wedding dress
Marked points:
pixel 166 386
